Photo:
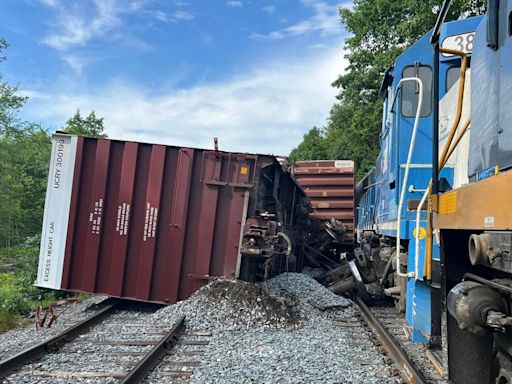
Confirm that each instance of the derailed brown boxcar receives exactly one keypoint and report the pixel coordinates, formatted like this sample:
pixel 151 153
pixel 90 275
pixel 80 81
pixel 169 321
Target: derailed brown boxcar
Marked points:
pixel 154 223
pixel 330 185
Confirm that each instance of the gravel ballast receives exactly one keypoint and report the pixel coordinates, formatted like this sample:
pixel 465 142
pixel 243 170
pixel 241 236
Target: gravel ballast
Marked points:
pixel 19 339
pixel 279 334
pixel 289 329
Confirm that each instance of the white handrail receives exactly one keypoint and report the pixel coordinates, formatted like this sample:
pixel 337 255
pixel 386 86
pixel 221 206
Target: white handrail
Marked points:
pixel 407 167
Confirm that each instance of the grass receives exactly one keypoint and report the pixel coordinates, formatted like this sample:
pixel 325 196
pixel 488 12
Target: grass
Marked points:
pixel 18 295
pixel 8 321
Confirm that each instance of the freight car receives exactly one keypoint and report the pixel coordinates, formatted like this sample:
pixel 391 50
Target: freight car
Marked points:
pixel 329 184
pixel 154 223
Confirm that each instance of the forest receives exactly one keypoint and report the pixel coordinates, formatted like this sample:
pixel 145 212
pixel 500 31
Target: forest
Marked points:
pixel 24 157
pixel 379 30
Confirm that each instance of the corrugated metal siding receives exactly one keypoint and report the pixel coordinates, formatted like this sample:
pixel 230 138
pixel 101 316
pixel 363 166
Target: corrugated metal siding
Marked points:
pixel 152 222
pixel 330 186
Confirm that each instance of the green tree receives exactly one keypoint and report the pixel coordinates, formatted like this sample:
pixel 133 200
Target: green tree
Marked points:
pixel 24 156
pixel 89 126
pixel 313 146
pixel 10 102
pixel 380 31
pixel 24 153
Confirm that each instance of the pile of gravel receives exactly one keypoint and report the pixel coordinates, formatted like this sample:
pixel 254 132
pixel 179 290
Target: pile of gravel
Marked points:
pixel 312 300
pixel 288 301
pixel 234 305
pixel 279 331
pixel 316 351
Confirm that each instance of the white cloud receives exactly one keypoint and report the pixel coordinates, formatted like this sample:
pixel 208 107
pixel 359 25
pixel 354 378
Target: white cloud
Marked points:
pixel 175 17
pixel 324 21
pixel 270 9
pixel 318 46
pixel 49 3
pixel 181 3
pixel 75 25
pixel 267 109
pixel 183 15
pixel 160 15
pixel 234 3
pixel 76 62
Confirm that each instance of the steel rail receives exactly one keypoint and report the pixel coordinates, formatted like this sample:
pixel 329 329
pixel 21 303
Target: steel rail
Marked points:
pixel 409 372
pixel 11 364
pixel 151 359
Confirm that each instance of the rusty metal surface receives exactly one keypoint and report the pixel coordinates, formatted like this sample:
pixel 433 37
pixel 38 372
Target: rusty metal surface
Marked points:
pixel 330 185
pixel 151 222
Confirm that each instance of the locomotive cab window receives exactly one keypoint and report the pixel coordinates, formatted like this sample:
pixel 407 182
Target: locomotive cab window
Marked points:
pixel 452 77
pixel 410 91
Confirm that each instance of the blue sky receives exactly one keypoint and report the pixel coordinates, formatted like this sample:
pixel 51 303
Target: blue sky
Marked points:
pixel 254 73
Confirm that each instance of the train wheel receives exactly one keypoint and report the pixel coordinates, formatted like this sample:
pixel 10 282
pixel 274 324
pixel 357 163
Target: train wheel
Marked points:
pixel 470 356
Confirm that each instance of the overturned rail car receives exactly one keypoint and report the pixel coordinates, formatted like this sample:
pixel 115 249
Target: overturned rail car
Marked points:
pixel 154 222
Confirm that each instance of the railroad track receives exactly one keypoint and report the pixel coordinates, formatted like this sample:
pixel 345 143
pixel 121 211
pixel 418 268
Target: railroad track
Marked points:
pixel 107 348
pixel 417 364
pixel 361 338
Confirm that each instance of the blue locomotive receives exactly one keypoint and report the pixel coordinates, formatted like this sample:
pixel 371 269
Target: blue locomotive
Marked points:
pixel 391 195
pixel 435 214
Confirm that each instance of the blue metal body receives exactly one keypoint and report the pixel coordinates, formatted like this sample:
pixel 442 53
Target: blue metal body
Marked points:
pixel 491 131
pixel 378 206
